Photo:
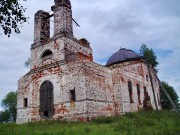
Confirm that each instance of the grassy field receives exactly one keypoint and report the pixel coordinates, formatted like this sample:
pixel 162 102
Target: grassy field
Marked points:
pixel 140 123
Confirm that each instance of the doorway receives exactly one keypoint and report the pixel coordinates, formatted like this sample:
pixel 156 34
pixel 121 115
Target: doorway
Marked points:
pixel 46 99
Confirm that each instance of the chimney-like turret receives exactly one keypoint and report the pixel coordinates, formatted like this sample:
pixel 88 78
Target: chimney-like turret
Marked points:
pixel 41 27
pixel 62 19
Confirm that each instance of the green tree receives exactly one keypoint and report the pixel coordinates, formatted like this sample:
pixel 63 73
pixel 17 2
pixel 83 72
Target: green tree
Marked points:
pixel 172 93
pixel 4 116
pixel 11 15
pixel 9 104
pixel 149 55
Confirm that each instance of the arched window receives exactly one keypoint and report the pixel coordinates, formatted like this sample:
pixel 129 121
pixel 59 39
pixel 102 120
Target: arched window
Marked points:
pixel 46 53
pixel 139 94
pixel 130 91
pixel 46 99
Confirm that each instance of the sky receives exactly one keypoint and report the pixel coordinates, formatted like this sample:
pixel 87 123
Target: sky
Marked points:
pixel 108 25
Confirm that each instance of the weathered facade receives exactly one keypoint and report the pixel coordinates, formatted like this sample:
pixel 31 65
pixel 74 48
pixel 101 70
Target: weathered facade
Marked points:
pixel 65 83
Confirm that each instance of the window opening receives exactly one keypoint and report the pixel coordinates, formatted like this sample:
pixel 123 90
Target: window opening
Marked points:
pixel 46 53
pixel 25 102
pixel 130 91
pixel 72 95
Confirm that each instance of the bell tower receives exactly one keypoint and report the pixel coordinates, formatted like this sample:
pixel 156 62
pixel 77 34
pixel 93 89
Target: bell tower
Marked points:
pixel 62 19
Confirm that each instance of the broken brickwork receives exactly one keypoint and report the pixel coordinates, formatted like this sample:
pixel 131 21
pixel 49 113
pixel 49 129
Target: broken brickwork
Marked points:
pixel 65 83
pixel 62 19
pixel 41 27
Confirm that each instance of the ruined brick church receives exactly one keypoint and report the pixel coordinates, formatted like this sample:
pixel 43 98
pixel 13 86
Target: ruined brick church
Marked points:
pixel 65 83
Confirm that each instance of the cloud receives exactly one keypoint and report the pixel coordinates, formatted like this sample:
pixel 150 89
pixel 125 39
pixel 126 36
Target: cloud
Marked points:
pixel 108 25
pixel 169 69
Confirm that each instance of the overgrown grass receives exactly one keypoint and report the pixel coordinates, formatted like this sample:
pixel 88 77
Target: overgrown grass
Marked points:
pixel 140 123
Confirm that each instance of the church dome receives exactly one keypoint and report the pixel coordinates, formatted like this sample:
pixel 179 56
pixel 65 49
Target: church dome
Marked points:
pixel 121 56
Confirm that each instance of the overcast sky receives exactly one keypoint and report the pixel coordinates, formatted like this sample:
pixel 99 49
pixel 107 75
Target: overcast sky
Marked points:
pixel 107 25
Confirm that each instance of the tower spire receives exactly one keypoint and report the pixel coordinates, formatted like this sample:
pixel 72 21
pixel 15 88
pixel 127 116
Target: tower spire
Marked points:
pixel 62 18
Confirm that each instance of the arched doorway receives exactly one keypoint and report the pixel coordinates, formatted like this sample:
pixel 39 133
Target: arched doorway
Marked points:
pixel 46 99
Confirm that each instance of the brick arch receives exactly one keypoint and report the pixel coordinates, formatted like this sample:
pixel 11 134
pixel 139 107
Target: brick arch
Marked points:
pixel 46 99
pixel 46 53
